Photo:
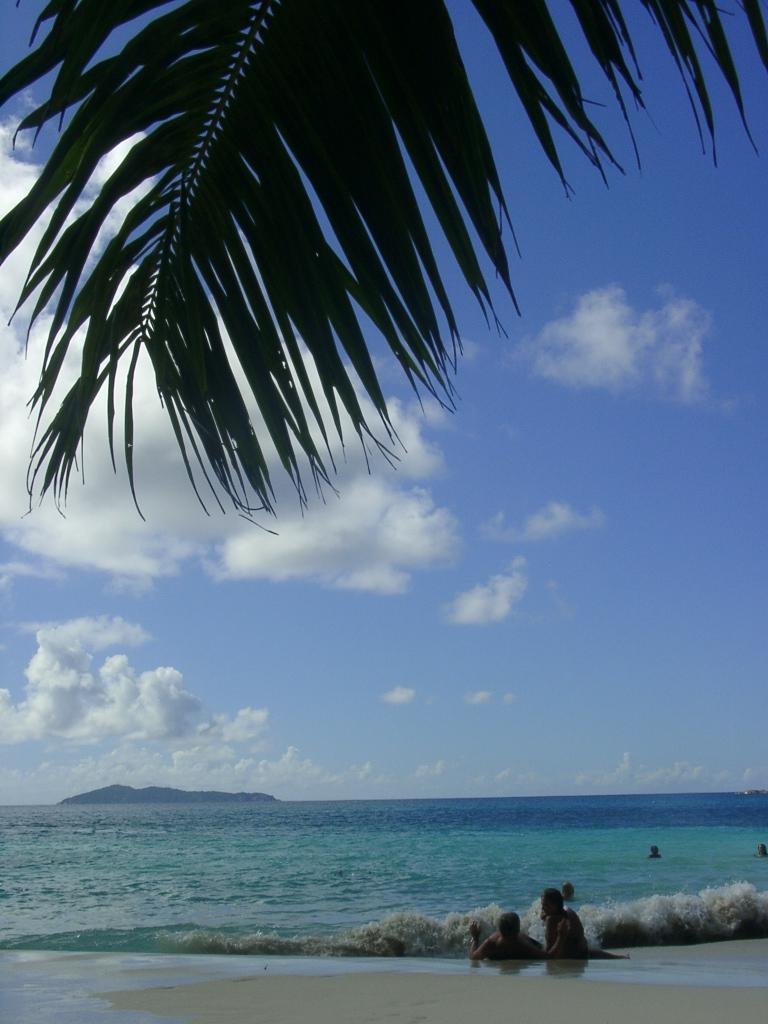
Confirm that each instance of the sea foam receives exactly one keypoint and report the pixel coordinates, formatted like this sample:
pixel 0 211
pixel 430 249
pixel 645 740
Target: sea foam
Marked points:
pixel 733 911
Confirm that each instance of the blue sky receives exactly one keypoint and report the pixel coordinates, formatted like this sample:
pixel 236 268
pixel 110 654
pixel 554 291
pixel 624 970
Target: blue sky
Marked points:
pixel 560 589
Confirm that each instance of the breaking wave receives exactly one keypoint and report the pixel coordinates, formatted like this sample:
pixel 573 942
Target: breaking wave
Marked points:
pixel 733 911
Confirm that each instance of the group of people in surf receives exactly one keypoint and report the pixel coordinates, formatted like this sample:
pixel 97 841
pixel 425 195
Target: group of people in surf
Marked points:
pixel 564 937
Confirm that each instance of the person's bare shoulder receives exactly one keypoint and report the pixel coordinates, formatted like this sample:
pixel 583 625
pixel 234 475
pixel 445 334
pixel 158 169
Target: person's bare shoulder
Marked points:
pixel 529 949
pixel 487 950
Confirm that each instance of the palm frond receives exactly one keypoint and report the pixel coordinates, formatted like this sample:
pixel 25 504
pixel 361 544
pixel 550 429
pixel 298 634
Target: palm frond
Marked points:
pixel 273 206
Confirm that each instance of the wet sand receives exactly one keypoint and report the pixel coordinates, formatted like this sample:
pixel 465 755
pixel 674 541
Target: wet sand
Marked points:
pixel 705 984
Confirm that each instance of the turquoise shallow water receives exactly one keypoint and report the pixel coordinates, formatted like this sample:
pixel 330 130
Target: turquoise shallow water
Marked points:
pixel 376 877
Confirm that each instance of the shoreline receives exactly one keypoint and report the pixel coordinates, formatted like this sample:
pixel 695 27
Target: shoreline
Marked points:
pixel 559 993
pixel 701 984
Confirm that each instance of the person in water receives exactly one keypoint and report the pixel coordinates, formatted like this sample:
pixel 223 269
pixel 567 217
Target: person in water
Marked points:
pixel 505 944
pixel 654 854
pixel 761 850
pixel 564 932
pixel 567 890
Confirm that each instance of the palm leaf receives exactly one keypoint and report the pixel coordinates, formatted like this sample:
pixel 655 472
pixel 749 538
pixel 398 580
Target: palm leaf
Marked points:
pixel 273 206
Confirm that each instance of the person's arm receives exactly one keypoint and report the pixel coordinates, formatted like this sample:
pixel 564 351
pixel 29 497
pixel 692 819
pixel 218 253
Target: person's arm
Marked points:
pixel 474 940
pixel 531 947
pixel 483 951
pixel 478 950
pixel 550 932
pixel 562 932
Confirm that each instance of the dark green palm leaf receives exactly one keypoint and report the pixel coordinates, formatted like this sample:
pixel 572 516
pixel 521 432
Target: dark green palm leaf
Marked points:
pixel 273 206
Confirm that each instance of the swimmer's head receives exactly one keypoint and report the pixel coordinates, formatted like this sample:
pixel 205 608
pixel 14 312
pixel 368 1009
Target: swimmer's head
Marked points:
pixel 509 924
pixel 567 890
pixel 552 901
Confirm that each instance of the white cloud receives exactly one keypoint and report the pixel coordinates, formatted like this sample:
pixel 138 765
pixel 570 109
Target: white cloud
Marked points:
pixel 621 771
pixel 247 724
pixel 201 766
pixel 17 176
pixel 520 779
pixel 492 601
pixel 385 527
pixel 509 698
pixel 675 775
pixel 605 343
pixel 98 633
pixel 478 697
pixel 67 698
pixel 291 769
pixel 641 777
pixel 430 771
pixel 553 520
pixel 471 350
pixel 366 541
pixel 399 695
pixel 10 571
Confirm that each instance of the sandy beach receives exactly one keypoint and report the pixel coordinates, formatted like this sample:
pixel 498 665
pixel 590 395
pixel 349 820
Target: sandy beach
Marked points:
pixel 673 984
pixel 426 999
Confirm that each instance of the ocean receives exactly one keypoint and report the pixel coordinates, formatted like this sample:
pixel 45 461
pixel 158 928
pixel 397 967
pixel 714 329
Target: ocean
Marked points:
pixel 377 878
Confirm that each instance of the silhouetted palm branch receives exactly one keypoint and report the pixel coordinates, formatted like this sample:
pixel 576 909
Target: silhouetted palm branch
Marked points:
pixel 275 143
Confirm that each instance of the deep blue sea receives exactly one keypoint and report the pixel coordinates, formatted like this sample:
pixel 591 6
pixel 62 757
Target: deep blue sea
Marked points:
pixel 377 877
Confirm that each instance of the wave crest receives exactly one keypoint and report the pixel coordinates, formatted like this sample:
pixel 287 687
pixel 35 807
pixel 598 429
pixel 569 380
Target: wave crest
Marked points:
pixel 400 934
pixel 736 911
pixel 732 911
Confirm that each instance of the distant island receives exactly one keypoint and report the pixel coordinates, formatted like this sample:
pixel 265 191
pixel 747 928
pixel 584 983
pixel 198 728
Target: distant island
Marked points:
pixel 164 795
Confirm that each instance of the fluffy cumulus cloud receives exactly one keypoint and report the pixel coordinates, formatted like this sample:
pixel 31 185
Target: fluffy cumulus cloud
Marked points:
pixel 369 540
pixel 399 695
pixel 384 526
pixel 96 633
pixel 553 520
pixel 245 726
pixel 98 723
pixel 69 697
pixel 605 343
pixel 488 602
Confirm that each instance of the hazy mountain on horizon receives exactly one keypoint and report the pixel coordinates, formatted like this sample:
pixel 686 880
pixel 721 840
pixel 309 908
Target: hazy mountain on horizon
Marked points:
pixel 163 795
